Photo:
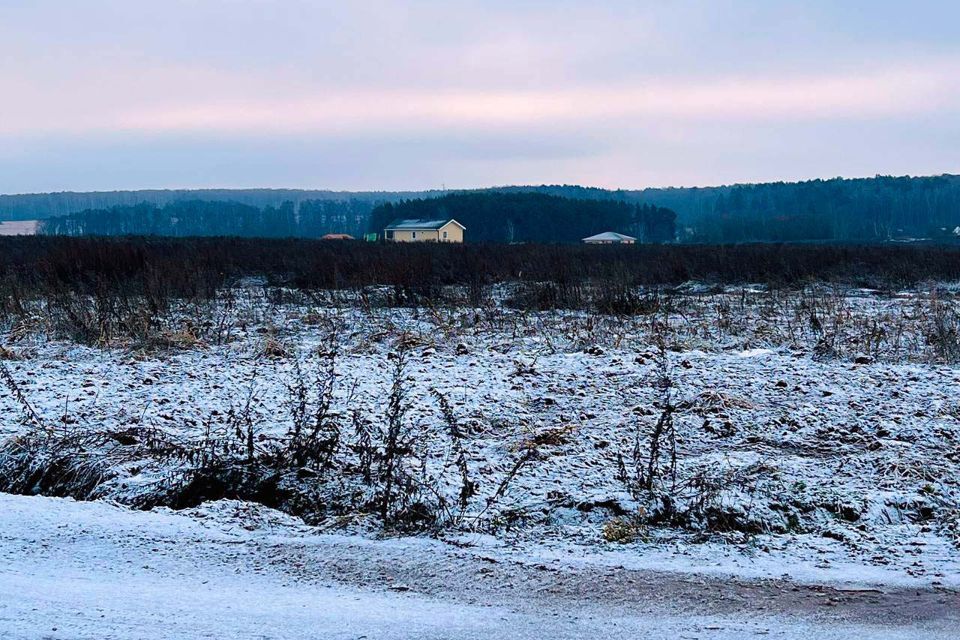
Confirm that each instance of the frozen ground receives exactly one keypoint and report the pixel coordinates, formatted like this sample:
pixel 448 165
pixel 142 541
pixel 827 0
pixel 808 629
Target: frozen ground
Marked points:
pixel 817 439
pixel 92 570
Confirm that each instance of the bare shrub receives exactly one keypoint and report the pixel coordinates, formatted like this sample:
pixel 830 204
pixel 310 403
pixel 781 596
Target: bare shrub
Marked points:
pixel 695 501
pixel 78 462
pixel 398 505
pixel 943 328
pixel 315 434
pixel 653 460
pixel 28 412
pixel 526 456
pixel 700 503
pixel 949 522
pixel 468 488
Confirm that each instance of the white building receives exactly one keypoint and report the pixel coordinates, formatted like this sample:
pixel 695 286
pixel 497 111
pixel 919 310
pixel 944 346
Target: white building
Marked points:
pixel 610 237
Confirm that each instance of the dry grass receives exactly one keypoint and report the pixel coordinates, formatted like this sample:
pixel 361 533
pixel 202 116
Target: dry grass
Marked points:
pixel 623 530
pixel 273 348
pixel 182 339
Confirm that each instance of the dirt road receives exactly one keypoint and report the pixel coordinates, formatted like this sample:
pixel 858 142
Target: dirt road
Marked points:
pixel 90 570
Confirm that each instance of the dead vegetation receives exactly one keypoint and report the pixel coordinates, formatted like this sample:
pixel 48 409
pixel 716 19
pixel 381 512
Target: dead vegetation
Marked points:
pixel 697 458
pixel 332 463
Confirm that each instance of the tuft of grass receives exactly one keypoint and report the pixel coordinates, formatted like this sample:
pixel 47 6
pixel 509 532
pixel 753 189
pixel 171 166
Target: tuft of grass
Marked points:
pixel 273 348
pixel 623 530
pixel 182 339
pixel 553 437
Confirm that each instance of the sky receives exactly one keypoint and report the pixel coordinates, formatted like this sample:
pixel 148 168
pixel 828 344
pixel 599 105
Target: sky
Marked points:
pixel 371 95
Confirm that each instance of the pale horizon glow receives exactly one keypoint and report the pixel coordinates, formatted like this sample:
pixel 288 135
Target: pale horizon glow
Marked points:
pixel 882 94
pixel 417 95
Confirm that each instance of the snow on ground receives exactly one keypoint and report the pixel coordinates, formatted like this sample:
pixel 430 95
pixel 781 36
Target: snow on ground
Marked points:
pixel 863 449
pixel 18 227
pixel 96 571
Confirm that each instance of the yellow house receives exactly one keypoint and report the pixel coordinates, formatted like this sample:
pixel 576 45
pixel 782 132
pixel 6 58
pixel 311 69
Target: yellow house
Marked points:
pixel 424 231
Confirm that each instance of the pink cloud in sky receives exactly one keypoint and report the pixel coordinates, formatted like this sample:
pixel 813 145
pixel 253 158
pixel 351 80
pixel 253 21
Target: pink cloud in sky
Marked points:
pixel 371 93
pixel 196 106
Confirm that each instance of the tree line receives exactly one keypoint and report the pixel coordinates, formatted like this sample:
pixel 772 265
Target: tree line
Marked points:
pixel 198 218
pixel 874 209
pixel 39 206
pixel 838 210
pixel 491 216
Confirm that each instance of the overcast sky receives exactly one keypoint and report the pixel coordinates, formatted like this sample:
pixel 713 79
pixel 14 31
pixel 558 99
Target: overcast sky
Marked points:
pixel 124 94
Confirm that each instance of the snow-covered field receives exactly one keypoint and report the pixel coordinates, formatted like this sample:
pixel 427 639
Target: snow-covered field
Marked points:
pixel 815 437
pixel 18 227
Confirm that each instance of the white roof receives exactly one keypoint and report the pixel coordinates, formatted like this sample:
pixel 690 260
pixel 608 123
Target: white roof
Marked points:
pixel 609 236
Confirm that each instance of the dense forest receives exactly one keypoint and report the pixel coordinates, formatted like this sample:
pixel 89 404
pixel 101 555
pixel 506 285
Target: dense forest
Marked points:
pixel 39 206
pixel 869 209
pixel 881 208
pixel 872 209
pixel 307 219
pixel 491 217
pixel 534 217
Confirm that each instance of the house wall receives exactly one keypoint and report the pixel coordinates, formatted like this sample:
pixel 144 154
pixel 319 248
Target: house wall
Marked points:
pixel 454 233
pixel 415 236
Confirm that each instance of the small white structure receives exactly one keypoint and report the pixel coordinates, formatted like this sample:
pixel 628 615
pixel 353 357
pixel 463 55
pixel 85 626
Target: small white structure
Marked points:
pixel 610 237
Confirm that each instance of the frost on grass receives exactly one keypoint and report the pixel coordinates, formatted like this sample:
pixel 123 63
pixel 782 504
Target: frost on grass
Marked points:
pixel 764 419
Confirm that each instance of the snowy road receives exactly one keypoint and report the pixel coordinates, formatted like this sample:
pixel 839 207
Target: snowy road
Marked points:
pixel 91 570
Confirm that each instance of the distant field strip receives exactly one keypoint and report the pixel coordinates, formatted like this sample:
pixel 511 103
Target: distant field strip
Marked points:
pixel 18 228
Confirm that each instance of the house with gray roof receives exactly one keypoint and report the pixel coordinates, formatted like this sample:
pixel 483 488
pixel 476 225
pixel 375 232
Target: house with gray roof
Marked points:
pixel 424 231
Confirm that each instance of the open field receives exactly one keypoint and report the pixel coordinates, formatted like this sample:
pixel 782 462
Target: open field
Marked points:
pixel 479 320
pixel 18 228
pixel 793 419
pixel 741 433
